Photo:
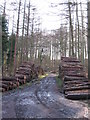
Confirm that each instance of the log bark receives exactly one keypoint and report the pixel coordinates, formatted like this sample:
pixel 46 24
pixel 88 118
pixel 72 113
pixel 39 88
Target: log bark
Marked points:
pixel 6 82
pixel 77 88
pixel 77 91
pixel 2 90
pixel 77 85
pixel 6 87
pixel 76 82
pixel 71 69
pixel 12 86
pixel 71 78
pixel 68 58
pixel 21 81
pixel 78 96
pixel 71 66
pixel 22 72
pixel 78 74
pixel 25 68
pixel 71 63
pixel 9 78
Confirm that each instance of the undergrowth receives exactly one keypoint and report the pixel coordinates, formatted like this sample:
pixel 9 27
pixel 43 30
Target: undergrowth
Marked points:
pixel 59 82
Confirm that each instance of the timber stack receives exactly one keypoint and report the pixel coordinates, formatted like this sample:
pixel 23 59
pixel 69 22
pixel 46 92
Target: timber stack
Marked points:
pixel 26 72
pixel 75 83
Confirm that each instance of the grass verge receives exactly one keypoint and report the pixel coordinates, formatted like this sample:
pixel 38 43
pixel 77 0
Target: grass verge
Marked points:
pixel 40 77
pixel 26 84
pixel 59 82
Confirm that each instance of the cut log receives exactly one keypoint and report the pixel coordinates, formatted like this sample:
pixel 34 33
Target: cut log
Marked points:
pixel 77 88
pixel 77 85
pixel 76 82
pixel 72 78
pixel 24 68
pixel 75 74
pixel 6 87
pixel 22 81
pixel 75 61
pixel 77 91
pixel 2 89
pixel 22 72
pixel 71 69
pixel 68 58
pixel 77 96
pixel 9 78
pixel 70 64
pixel 16 82
pixel 6 82
pixel 12 87
pixel 21 76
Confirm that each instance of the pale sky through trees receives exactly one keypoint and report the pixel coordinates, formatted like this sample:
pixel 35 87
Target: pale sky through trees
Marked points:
pixel 49 17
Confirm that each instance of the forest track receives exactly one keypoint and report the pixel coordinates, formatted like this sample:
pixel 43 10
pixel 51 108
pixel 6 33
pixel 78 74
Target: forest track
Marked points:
pixel 41 100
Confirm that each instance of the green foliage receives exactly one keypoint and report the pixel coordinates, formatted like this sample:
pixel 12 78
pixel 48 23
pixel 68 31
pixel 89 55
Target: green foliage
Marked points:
pixel 59 82
pixel 28 84
pixel 4 37
pixel 0 41
pixel 11 46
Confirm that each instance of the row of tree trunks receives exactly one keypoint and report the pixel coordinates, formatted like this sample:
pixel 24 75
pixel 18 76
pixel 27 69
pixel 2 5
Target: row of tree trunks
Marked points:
pixel 75 84
pixel 25 73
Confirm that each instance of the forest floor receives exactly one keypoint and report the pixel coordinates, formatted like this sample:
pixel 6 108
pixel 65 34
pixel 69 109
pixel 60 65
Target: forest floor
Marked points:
pixel 42 99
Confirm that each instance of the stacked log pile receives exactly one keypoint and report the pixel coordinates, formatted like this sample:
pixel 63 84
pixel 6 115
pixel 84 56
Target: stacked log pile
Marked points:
pixel 75 83
pixel 26 72
pixel 8 83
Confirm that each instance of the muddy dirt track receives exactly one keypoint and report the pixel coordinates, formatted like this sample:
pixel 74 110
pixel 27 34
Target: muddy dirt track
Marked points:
pixel 41 100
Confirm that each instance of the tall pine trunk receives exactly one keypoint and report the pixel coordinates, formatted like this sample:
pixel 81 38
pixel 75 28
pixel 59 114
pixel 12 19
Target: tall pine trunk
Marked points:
pixel 27 37
pixel 78 29
pixel 22 42
pixel 17 32
pixel 89 40
pixel 71 28
pixel 82 40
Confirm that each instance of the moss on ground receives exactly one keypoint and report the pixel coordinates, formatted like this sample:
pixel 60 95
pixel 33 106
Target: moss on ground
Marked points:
pixel 42 76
